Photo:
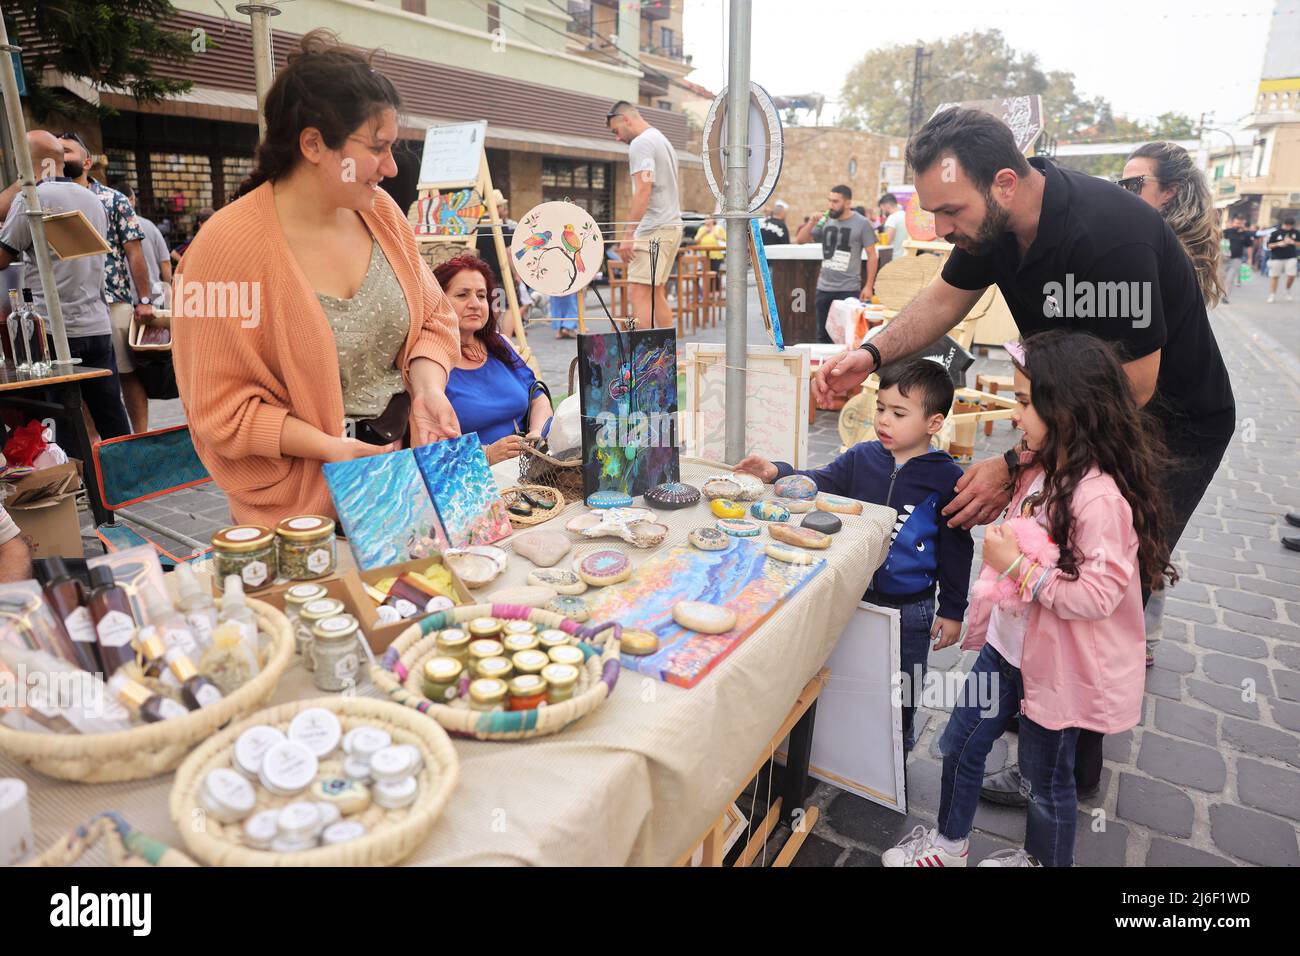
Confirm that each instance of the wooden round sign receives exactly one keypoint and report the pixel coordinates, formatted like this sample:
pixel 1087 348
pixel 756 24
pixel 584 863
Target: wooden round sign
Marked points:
pixel 766 147
pixel 557 248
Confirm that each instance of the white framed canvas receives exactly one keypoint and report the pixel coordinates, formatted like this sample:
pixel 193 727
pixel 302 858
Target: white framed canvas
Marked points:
pixel 776 402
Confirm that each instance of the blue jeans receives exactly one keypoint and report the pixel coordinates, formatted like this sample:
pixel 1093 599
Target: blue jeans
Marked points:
pixel 914 623
pixel 1046 762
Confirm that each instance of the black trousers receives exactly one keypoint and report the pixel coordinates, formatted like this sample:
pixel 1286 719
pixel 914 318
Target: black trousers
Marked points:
pixel 1191 468
pixel 101 396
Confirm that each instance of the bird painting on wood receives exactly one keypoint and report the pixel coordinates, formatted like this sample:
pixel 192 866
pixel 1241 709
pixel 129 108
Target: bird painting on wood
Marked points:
pixel 537 240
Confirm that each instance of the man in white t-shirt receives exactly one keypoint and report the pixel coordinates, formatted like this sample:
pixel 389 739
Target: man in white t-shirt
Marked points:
pixel 656 214
pixel 895 224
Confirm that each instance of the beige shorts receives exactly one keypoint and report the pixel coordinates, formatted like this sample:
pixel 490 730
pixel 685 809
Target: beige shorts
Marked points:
pixel 670 237
pixel 1281 267
pixel 119 316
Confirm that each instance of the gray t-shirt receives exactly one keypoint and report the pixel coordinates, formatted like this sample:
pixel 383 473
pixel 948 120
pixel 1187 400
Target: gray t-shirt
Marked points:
pixel 842 241
pixel 80 281
pixel 155 252
pixel 651 152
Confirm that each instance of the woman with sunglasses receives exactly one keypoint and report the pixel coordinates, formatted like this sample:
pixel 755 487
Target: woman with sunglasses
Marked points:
pixel 306 301
pixel 1164 176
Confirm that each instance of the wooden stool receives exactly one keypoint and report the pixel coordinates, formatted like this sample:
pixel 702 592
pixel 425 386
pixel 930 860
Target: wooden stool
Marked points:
pixel 618 294
pixel 991 383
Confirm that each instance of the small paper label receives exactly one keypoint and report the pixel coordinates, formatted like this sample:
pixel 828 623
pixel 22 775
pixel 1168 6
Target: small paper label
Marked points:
pixel 182 639
pixel 254 573
pixel 318 561
pixel 304 524
pixel 243 534
pixel 115 629
pixel 79 626
pixel 405 608
pixel 346 666
pixel 201 624
pixel 207 695
pixel 170 709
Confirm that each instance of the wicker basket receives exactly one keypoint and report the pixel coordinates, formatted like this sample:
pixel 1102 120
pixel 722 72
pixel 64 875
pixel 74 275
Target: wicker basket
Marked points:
pixel 122 844
pixel 536 467
pixel 398 674
pixel 152 749
pixel 537 491
pixel 393 834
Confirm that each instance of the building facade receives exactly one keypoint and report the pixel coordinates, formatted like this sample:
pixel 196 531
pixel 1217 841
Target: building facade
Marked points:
pixel 819 157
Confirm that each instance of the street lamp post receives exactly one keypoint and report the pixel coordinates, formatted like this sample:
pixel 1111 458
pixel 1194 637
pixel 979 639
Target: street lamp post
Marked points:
pixel 736 214
pixel 263 65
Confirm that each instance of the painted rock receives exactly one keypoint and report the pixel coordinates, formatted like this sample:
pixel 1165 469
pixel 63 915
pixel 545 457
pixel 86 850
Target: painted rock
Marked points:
pixel 801 537
pixel 751 486
pixel 788 555
pixel 769 511
pixel 796 506
pixel 570 606
pixel 822 521
pixel 564 582
pixel 844 506
pixel 639 643
pixel 796 486
pixel 600 568
pixel 543 548
pixel 530 596
pixel 721 488
pixel 726 508
pixel 703 617
pixel 738 527
pixel 709 539
pixel 608 499
pixel 672 495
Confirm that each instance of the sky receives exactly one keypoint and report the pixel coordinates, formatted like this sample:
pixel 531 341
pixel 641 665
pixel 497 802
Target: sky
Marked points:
pixel 1145 56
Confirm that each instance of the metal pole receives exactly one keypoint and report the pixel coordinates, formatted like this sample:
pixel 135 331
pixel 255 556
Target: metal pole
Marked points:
pixel 263 64
pixel 736 213
pixel 35 218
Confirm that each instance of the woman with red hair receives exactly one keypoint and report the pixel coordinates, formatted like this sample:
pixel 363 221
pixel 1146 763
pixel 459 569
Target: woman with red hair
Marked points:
pixel 493 392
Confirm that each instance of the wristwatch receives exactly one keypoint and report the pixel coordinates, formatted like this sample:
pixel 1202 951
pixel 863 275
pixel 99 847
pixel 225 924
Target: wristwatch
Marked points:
pixel 145 300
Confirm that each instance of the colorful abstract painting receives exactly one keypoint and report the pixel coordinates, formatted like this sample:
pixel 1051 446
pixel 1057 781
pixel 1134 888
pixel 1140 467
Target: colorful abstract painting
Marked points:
pixel 449 214
pixel 557 248
pixel 743 578
pixel 459 481
pixel 385 509
pixel 628 388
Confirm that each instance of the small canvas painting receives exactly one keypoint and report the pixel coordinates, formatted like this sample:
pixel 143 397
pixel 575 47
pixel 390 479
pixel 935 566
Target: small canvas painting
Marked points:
pixel 385 509
pixel 463 490
pixel 557 248
pixel 449 214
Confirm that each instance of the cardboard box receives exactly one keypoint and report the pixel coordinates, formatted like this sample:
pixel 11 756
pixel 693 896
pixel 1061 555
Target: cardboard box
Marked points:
pixel 348 585
pixel 44 507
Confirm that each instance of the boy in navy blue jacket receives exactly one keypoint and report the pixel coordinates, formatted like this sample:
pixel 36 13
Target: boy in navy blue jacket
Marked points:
pixel 902 472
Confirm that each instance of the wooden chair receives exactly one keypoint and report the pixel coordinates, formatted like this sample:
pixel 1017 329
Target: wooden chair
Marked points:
pixel 692 289
pixel 618 294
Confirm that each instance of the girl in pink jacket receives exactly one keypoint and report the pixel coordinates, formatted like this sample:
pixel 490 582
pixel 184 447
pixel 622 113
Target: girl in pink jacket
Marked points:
pixel 1057 613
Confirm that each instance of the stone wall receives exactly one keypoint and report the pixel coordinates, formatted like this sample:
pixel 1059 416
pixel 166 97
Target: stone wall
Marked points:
pixel 817 158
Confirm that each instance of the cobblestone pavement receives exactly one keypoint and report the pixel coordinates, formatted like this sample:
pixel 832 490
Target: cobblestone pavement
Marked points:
pixel 1212 774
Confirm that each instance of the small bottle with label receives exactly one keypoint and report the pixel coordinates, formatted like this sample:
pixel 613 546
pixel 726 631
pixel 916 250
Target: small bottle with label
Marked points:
pixel 196 690
pixel 29 327
pixel 67 597
pixel 150 645
pixel 14 326
pixel 171 627
pixel 142 702
pixel 110 611
pixel 235 609
pixel 196 605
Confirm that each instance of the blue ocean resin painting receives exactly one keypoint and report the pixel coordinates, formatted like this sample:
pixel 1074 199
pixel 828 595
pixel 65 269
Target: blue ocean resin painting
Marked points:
pixel 463 490
pixel 385 509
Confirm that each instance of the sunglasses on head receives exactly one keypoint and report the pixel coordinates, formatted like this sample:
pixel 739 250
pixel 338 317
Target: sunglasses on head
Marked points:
pixel 1134 184
pixel 75 138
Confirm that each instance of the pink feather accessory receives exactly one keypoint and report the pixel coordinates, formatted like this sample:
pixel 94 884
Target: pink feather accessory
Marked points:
pixel 1036 546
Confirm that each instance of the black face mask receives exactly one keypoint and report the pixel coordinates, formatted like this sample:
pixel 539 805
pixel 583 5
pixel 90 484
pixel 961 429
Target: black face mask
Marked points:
pixel 72 169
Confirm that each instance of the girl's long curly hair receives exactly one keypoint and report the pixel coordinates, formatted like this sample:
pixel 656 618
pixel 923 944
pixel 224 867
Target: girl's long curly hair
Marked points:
pixel 1082 394
pixel 1190 213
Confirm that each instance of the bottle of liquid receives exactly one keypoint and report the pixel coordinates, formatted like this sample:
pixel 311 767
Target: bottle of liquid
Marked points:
pixel 28 327
pixel 142 702
pixel 235 609
pixel 197 606
pixel 41 350
pixel 67 596
pixel 170 627
pixel 196 690
pixel 149 644
pixel 14 325
pixel 110 610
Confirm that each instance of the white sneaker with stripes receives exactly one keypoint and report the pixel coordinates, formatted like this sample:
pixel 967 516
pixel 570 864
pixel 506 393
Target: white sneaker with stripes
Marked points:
pixel 920 849
pixel 1009 858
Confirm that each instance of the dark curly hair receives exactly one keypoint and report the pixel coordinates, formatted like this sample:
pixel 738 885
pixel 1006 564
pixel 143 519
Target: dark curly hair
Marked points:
pixel 490 335
pixel 1082 394
pixel 323 85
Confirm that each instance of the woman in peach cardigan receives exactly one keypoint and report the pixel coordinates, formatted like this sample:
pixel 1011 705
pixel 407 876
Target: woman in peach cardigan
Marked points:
pixel 305 302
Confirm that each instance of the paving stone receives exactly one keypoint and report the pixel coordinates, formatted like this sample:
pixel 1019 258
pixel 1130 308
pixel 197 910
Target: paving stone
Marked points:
pixel 1261 627
pixel 1287 592
pixel 1274 789
pixel 1190 612
pixel 1165 683
pixel 984 845
pixel 1175 629
pixel 1231 642
pixel 1220 562
pixel 1183 763
pixel 1195 572
pixel 1246 603
pixel 1282 575
pixel 1190 723
pixel 1256 738
pixel 1288 655
pixel 1235 672
pixel 1287 683
pixel 1253 836
pixel 1174 658
pixel 857 858
pixel 1103 847
pixel 1169 853
pixel 817 852
pixel 1006 822
pixel 1155 804
pixel 1190 591
pixel 1118 748
pixel 923 779
pixel 1288 715
pixel 865 822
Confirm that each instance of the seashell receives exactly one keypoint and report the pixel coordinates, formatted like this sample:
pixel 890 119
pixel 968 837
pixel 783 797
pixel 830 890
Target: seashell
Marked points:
pixel 720 488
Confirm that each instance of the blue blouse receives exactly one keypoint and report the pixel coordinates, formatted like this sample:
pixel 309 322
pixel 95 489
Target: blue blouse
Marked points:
pixel 493 399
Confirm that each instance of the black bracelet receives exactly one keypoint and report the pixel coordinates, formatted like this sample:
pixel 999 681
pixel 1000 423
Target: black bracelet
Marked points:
pixel 874 353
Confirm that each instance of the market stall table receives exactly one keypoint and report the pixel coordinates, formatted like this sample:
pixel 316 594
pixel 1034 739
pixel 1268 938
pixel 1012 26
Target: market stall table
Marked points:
pixel 65 407
pixel 795 268
pixel 637 782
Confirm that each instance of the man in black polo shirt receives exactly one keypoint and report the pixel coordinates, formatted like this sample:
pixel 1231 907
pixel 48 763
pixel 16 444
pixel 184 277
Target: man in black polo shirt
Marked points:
pixel 1062 247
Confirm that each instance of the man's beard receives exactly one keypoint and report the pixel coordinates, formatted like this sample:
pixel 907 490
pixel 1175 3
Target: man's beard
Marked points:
pixel 72 170
pixel 992 227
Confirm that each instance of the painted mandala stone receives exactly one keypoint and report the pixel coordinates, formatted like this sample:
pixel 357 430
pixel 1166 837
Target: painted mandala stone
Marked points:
pixel 738 527
pixel 709 539
pixel 672 495
pixel 608 499
pixel 600 568
pixel 570 606
pixel 799 487
pixel 848 506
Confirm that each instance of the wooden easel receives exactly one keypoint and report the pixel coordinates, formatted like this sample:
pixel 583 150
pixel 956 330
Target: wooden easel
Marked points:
pixel 483 186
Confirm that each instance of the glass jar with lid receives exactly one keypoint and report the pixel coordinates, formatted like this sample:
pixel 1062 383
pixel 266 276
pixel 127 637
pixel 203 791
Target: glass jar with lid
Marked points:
pixel 246 550
pixel 441 681
pixel 298 595
pixel 306 547
pixel 333 652
pixel 487 694
pixel 309 615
